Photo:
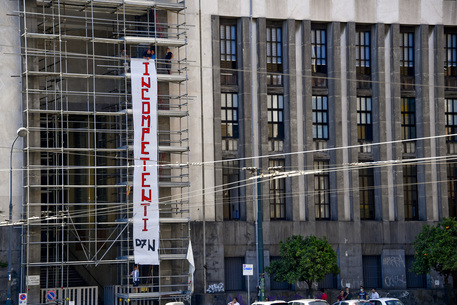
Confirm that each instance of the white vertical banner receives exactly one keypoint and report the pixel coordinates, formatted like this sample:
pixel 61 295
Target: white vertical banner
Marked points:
pixel 145 175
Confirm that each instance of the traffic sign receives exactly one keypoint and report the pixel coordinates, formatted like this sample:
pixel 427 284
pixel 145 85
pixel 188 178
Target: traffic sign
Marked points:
pixel 248 269
pixel 22 298
pixel 51 295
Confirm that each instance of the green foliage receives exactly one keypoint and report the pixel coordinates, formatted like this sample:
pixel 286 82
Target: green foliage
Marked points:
pixel 307 259
pixel 3 265
pixel 436 248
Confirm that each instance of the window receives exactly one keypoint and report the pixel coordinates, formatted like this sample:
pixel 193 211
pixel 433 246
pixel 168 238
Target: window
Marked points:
pixel 320 118
pixel 277 192
pixel 322 190
pixel 451 125
pixel 408 124
pixel 371 270
pixel 407 60
pixel 234 279
pixel 231 189
pixel 363 59
pixel 407 54
pixel 410 192
pixel 274 56
pixel 228 54
pixel 366 193
pixel 364 123
pixel 229 121
pixel 452 187
pixel 275 107
pixel 278 285
pixel 319 57
pixel 414 280
pixel 450 49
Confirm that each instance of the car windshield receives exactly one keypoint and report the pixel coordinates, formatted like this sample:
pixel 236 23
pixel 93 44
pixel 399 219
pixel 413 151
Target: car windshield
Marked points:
pixel 318 303
pixel 394 302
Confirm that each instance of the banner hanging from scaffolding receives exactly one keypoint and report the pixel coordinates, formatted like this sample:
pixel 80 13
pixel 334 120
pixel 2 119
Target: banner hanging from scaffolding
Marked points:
pixel 145 175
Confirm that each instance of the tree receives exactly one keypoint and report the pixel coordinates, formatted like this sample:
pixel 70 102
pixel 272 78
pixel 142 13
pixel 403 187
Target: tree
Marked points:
pixel 307 259
pixel 436 248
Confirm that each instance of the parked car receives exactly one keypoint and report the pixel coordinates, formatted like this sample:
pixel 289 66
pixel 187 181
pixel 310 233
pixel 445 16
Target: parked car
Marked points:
pixel 308 302
pixel 353 302
pixel 386 301
pixel 277 302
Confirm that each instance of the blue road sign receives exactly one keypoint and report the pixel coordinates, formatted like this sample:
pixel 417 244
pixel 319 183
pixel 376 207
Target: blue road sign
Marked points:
pixel 51 295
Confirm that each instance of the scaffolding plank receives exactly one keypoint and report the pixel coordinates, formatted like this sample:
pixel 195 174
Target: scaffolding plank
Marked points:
pixel 167 149
pixel 73 112
pixel 154 40
pixel 172 78
pixel 41 35
pixel 163 257
pixel 150 295
pixel 161 220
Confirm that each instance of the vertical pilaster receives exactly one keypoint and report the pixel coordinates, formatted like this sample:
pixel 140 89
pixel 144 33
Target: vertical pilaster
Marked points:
pixel 379 116
pixel 424 189
pixel 216 64
pixel 308 119
pixel 396 208
pixel 337 113
pixel 290 119
pixel 349 130
pixel 262 109
pixel 441 207
pixel 245 115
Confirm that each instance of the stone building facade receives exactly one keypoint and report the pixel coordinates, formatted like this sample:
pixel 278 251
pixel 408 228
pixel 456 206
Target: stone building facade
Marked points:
pixel 358 96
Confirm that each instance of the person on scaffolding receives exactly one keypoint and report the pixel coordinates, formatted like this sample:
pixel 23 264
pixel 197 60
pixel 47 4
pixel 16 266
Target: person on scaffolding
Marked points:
pixel 136 277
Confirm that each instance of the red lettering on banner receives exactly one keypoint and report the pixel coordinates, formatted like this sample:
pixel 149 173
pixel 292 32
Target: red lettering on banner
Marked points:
pixel 144 109
pixel 145 208
pixel 143 179
pixel 146 119
pixel 144 197
pixel 143 147
pixel 145 228
pixel 144 84
pixel 145 131
pixel 146 64
pixel 145 98
pixel 144 162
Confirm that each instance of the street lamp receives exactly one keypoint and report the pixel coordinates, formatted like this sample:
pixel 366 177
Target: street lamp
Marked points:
pixel 21 132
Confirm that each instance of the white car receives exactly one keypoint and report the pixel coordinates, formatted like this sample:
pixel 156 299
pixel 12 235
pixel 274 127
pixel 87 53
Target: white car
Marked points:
pixel 308 302
pixel 386 301
pixel 353 302
pixel 278 302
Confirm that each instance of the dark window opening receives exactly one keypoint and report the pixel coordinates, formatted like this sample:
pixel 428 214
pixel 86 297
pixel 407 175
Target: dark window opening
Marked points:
pixel 274 56
pixel 322 191
pixel 410 192
pixel 228 54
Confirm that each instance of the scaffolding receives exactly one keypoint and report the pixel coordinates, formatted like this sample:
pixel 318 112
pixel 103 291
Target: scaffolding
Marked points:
pixel 79 152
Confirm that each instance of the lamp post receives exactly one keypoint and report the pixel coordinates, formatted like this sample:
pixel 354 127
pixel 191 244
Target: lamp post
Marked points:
pixel 21 132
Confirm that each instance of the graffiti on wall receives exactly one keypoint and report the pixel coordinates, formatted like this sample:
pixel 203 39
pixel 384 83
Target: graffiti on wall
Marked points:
pixel 215 288
pixel 351 283
pixel 394 280
pixel 398 294
pixel 395 261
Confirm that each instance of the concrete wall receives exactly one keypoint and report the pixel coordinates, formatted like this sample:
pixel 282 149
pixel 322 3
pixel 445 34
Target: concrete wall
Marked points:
pixel 348 235
pixel 11 118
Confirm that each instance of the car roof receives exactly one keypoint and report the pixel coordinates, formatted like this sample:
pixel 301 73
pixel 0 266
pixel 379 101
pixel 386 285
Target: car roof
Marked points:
pixel 309 300
pixel 386 299
pixel 269 302
pixel 353 301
